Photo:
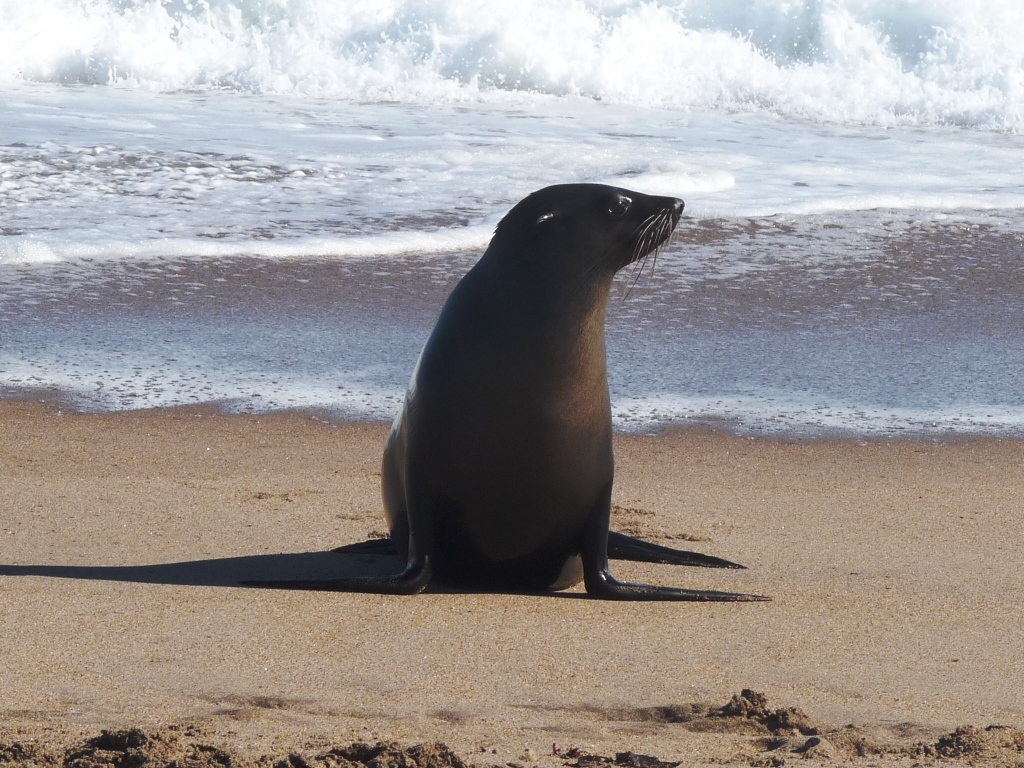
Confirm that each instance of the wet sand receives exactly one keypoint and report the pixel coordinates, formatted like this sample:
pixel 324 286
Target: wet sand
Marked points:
pixel 896 568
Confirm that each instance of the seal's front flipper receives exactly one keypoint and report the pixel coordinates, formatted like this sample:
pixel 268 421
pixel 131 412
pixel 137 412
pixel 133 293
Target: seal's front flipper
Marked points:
pixel 411 581
pixel 623 547
pixel 600 582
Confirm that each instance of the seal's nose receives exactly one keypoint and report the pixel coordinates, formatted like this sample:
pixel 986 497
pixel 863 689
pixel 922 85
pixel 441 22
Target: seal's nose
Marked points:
pixel 677 206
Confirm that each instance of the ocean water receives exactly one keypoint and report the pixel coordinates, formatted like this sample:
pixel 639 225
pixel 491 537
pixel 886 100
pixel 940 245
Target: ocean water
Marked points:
pixel 263 204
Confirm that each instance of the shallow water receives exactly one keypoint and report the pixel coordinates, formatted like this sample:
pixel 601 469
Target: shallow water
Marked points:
pixel 919 334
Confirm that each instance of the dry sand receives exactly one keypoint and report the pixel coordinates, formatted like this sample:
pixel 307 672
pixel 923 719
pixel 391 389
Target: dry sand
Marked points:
pixel 896 568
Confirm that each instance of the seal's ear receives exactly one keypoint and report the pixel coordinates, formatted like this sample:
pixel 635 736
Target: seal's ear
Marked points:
pixel 545 217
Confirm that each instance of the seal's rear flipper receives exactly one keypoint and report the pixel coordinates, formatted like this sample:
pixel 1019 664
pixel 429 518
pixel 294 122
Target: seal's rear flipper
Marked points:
pixel 623 547
pixel 385 546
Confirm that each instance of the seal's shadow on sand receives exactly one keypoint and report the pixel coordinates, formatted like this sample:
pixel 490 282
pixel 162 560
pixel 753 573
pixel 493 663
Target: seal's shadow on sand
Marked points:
pixel 227 571
pixel 233 571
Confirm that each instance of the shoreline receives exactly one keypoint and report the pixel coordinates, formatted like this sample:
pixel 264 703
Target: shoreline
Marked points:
pixel 894 566
pixel 54 398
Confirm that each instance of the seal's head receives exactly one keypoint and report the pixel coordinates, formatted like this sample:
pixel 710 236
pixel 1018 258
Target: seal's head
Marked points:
pixel 587 226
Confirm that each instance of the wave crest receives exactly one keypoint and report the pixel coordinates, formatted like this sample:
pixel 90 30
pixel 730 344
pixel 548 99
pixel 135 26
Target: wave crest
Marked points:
pixel 875 61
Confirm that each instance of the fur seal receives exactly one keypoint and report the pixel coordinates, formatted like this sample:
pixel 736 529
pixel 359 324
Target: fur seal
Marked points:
pixel 497 473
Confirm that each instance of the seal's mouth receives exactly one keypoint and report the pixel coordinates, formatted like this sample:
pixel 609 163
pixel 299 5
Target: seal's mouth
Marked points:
pixel 652 233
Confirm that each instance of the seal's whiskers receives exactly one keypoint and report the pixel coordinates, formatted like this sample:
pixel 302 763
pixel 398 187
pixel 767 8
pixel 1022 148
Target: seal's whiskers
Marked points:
pixel 651 235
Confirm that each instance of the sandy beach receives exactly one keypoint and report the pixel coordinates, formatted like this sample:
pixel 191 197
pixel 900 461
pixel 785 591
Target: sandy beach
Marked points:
pixel 895 570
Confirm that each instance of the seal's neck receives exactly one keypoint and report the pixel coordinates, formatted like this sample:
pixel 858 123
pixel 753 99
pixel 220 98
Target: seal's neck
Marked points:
pixel 558 315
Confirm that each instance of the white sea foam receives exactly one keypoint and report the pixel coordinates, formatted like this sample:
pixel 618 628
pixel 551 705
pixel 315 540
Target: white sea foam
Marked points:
pixel 23 251
pixel 678 179
pixel 876 61
pixel 105 383
pixel 765 414
pixel 109 173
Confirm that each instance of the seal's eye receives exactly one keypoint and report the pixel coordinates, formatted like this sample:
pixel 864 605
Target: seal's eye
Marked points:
pixel 545 217
pixel 619 205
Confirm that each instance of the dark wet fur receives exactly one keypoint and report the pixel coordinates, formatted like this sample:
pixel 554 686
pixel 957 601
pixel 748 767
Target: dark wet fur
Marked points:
pixel 483 487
